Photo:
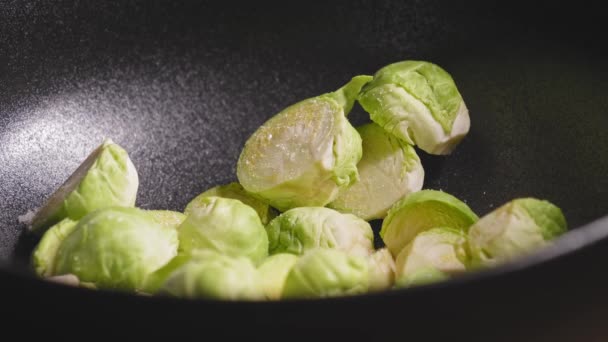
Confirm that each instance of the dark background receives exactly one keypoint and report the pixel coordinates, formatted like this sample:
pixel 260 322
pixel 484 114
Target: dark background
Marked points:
pixel 182 84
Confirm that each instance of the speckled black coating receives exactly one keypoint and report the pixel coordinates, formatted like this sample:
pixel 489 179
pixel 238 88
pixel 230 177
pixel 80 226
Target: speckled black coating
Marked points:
pixel 182 84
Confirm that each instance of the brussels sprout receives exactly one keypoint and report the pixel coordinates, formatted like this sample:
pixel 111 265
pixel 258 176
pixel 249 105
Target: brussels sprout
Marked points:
pixel 155 280
pixel 325 272
pixel 167 218
pixel 116 247
pixel 43 257
pixel 421 277
pixel 381 270
pixel 388 170
pixel 438 249
pixel 214 276
pixel 421 211
pixel 303 155
pixel 235 191
pixel 300 229
pixel 106 178
pixel 273 272
pixel 516 228
pixel 418 102
pixel 224 225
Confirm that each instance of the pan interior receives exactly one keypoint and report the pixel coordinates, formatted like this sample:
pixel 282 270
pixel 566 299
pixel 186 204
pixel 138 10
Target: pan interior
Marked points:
pixel 182 98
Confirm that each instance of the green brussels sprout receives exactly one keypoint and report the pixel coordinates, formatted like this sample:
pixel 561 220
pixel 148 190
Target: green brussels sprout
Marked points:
pixel 306 153
pixel 273 273
pixel 236 191
pixel 438 249
pixel 421 211
pixel 421 276
pixel 418 102
pixel 381 270
pixel 226 226
pixel 116 248
pixel 300 229
pixel 43 257
pixel 212 275
pixel 106 178
pixel 156 279
pixel 325 272
pixel 167 218
pixel 389 170
pixel 516 228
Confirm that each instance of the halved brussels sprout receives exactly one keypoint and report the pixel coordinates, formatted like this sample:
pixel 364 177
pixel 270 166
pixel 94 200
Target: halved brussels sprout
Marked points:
pixel 226 226
pixel 273 273
pixel 306 153
pixel 381 270
pixel 325 272
pixel 212 275
pixel 421 211
pixel 106 178
pixel 43 257
pixel 167 218
pixel 389 170
pixel 116 247
pixel 418 102
pixel 438 249
pixel 301 229
pixel 236 191
pixel 516 228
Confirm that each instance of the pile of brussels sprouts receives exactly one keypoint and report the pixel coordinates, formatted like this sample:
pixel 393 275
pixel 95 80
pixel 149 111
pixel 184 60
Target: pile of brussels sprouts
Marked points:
pixel 296 223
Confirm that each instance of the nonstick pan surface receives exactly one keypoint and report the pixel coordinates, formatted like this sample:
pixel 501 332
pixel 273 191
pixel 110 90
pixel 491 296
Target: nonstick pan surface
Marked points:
pixel 181 85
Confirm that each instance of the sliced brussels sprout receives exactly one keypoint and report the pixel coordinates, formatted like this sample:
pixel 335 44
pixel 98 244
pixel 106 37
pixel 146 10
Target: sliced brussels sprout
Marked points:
pixel 43 257
pixel 437 249
pixel 381 270
pixel 106 178
pixel 325 272
pixel 421 211
pixel 418 102
pixel 389 170
pixel 301 229
pixel 116 248
pixel 236 191
pixel 306 153
pixel 214 276
pixel 167 218
pixel 226 226
pixel 273 273
pixel 514 229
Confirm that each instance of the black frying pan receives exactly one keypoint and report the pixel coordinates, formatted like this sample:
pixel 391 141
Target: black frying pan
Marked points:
pixel 181 85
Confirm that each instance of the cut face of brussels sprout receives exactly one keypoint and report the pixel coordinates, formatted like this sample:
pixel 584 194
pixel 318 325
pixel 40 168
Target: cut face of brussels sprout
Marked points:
pixel 167 218
pixel 43 258
pixel 226 226
pixel 389 170
pixel 301 229
pixel 235 191
pixel 116 247
pixel 214 276
pixel 106 178
pixel 327 273
pixel 306 153
pixel 441 249
pixel 381 270
pixel 421 211
pixel 273 272
pixel 516 228
pixel 418 102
